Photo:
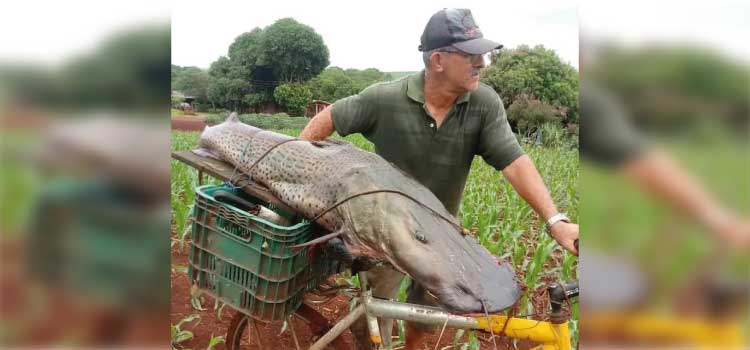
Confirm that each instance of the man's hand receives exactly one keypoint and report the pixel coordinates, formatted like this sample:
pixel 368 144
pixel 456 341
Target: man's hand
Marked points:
pixel 319 127
pixel 733 231
pixel 565 234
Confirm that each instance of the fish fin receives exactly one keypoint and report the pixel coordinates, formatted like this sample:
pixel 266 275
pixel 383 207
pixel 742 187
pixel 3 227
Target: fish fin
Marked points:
pixel 205 152
pixel 233 118
pixel 316 241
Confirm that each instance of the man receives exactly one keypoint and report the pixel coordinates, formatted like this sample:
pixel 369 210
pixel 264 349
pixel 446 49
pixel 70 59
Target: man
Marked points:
pixel 431 125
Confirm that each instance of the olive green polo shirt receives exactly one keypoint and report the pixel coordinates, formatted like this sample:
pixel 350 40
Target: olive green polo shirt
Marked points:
pixel 394 117
pixel 607 136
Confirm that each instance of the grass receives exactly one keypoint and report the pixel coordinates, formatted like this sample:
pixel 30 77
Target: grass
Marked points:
pixel 264 121
pixel 623 219
pixel 504 223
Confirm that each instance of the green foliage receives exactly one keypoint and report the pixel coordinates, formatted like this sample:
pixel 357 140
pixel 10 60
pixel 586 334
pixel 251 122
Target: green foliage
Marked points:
pixel 193 81
pixel 294 97
pixel 535 72
pixel 176 100
pixel 128 70
pixel 180 335
pixel 674 87
pixel 294 52
pixel 550 134
pixel 528 114
pixel 260 60
pixel 214 341
pixel 264 121
pixel 335 83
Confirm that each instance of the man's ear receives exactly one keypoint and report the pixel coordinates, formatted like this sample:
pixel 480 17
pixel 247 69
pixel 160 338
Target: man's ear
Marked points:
pixel 436 60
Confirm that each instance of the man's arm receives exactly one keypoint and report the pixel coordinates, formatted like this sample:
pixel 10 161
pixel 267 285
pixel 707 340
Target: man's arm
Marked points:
pixel 659 175
pixel 319 127
pixel 525 178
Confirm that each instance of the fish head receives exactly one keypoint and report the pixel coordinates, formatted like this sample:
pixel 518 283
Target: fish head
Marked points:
pixel 427 244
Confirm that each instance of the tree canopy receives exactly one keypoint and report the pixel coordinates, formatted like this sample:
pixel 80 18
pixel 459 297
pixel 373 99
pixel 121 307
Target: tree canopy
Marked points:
pixel 534 74
pixel 335 83
pixel 260 60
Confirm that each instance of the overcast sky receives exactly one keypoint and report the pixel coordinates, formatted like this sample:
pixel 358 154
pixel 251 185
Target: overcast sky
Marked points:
pixel 360 34
pixel 364 34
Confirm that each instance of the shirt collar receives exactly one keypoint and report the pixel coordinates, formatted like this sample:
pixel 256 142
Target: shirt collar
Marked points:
pixel 415 89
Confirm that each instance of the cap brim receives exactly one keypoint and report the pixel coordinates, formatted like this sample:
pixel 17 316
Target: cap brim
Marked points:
pixel 477 46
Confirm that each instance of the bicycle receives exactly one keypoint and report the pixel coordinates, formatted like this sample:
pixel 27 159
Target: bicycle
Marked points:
pixel 550 335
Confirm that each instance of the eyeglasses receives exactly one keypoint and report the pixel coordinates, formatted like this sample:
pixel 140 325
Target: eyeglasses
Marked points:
pixel 472 58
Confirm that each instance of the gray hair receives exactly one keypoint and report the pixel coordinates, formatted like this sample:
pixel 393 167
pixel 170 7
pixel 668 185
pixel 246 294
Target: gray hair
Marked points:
pixel 426 55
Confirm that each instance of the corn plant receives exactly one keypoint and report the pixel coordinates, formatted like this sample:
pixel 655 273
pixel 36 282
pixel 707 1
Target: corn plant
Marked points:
pixel 180 335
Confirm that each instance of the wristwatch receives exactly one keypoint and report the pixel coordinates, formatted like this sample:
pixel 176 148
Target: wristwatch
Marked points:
pixel 555 219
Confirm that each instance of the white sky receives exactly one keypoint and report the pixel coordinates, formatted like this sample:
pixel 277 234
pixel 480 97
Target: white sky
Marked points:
pixel 363 34
pixel 382 34
pixel 719 24
pixel 50 32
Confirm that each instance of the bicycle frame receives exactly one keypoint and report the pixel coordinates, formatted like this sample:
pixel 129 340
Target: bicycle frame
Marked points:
pixel 551 335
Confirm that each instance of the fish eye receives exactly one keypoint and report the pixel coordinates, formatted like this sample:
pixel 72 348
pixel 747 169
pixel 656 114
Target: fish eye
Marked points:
pixel 420 237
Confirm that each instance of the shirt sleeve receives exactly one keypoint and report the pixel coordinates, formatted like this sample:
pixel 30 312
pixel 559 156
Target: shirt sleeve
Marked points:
pixel 356 113
pixel 498 145
pixel 607 137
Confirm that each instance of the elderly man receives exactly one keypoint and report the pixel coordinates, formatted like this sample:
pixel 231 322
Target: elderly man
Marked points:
pixel 431 125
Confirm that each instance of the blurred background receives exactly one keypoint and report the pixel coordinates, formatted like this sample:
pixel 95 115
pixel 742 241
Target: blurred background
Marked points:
pixel 84 182
pixel 665 178
pixel 665 174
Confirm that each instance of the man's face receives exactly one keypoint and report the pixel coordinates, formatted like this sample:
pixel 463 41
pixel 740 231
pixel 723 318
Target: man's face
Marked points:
pixel 463 69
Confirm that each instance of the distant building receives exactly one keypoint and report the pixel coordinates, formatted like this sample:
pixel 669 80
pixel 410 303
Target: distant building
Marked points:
pixel 187 102
pixel 315 107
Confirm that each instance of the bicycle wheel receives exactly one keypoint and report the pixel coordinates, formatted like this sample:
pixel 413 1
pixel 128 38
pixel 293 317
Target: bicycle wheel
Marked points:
pixel 244 333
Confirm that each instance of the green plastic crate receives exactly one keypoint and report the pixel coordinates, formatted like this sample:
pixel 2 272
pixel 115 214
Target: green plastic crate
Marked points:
pixel 92 239
pixel 247 262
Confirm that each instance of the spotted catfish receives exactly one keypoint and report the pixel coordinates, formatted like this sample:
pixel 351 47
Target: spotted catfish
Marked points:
pixel 395 218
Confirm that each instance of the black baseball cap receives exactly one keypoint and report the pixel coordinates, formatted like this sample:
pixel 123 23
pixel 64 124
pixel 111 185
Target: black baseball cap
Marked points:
pixel 455 27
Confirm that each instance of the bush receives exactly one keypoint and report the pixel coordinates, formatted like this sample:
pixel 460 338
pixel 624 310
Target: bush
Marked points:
pixel 294 97
pixel 551 134
pixel 534 71
pixel 176 101
pixel 528 114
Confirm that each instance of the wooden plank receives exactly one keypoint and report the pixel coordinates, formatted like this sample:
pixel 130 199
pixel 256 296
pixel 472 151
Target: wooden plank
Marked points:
pixel 224 171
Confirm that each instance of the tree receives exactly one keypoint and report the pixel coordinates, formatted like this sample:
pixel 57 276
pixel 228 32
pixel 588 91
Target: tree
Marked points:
pixel 293 51
pixel 294 97
pixel 534 71
pixel 193 81
pixel 335 83
pixel 665 86
pixel 262 59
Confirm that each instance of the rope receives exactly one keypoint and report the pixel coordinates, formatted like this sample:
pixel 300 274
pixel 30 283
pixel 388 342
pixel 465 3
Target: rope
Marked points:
pixel 234 181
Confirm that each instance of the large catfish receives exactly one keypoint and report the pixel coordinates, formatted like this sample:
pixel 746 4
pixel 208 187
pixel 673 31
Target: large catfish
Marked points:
pixel 410 227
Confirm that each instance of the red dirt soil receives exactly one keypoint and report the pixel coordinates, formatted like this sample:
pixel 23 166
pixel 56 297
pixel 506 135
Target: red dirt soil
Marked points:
pixel 188 123
pixel 335 309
